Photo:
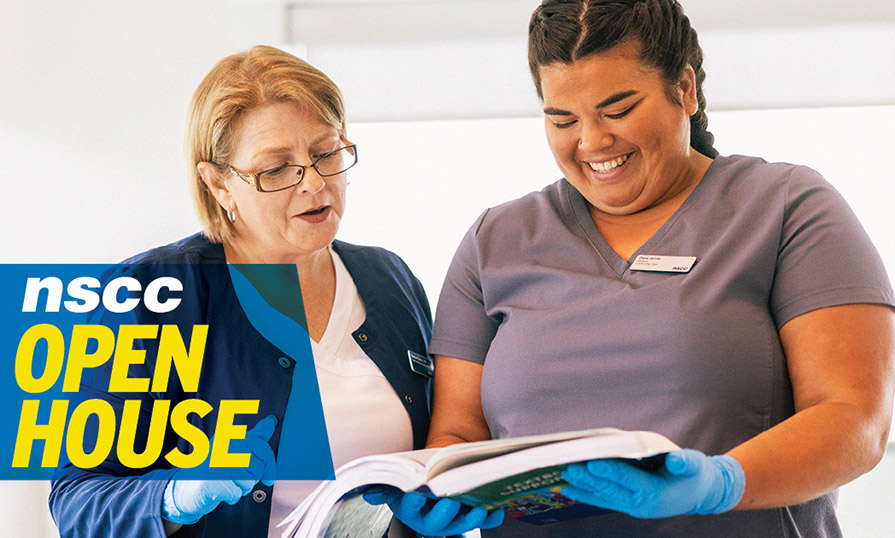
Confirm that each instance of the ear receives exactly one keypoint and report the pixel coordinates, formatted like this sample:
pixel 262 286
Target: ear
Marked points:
pixel 688 91
pixel 216 184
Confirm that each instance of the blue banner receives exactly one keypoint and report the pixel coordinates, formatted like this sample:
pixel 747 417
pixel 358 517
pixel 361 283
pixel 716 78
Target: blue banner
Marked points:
pixel 126 369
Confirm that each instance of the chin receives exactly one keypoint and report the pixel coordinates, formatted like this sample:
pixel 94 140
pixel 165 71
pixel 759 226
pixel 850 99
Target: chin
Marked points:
pixel 309 245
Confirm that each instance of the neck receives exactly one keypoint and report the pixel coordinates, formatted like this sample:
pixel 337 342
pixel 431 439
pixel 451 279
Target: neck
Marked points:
pixel 668 202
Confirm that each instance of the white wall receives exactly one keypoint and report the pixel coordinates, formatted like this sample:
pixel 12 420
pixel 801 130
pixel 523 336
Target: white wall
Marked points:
pixel 93 95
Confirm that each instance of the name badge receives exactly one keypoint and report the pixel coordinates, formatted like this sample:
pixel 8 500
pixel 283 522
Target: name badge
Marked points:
pixel 663 264
pixel 421 364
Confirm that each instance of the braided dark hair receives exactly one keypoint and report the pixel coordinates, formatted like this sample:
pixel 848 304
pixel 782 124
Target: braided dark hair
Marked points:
pixel 568 30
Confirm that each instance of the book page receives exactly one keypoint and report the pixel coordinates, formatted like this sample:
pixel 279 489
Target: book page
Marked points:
pixel 324 506
pixel 615 444
pixel 354 518
pixel 463 454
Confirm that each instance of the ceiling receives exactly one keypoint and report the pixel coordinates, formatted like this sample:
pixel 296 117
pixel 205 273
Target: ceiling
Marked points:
pixel 315 22
pixel 447 59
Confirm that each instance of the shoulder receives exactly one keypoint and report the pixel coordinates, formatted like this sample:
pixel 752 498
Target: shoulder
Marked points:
pixel 374 269
pixel 525 216
pixel 190 250
pixel 194 260
pixel 196 263
pixel 532 207
pixel 788 187
pixel 380 272
pixel 755 171
pixel 537 214
pixel 739 184
pixel 366 259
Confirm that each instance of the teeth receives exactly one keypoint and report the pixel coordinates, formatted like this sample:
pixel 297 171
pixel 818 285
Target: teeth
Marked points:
pixel 608 166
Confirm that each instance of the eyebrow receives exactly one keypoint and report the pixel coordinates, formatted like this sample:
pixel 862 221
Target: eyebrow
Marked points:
pixel 270 151
pixel 280 150
pixel 550 111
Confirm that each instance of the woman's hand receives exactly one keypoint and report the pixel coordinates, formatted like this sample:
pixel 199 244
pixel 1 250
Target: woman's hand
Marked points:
pixel 433 516
pixel 187 500
pixel 689 483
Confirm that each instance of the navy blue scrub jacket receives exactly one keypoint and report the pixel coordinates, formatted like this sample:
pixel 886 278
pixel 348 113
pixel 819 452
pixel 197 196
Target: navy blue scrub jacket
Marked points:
pixel 110 501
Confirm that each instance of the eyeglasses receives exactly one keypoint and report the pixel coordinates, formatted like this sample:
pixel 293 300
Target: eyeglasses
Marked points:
pixel 290 175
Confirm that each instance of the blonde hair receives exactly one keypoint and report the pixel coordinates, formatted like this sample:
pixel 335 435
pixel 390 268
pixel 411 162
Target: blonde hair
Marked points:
pixel 259 76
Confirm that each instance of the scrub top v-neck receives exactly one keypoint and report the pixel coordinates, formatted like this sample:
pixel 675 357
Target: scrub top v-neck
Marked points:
pixel 577 206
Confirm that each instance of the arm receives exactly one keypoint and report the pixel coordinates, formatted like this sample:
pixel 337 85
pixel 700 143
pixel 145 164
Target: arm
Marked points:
pixel 111 499
pixel 842 366
pixel 840 358
pixel 457 415
pixel 464 328
pixel 86 504
pixel 456 403
pixel 842 370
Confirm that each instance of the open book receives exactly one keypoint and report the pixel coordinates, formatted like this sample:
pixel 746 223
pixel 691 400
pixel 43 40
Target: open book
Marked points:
pixel 520 475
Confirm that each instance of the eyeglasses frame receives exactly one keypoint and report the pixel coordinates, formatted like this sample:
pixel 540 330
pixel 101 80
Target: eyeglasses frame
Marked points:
pixel 253 178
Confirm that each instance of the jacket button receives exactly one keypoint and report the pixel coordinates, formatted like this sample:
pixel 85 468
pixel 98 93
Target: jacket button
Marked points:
pixel 259 495
pixel 408 398
pixel 284 362
pixel 362 337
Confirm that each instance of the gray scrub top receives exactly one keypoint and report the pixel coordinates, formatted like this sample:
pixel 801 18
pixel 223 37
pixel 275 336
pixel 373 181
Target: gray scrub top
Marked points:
pixel 572 338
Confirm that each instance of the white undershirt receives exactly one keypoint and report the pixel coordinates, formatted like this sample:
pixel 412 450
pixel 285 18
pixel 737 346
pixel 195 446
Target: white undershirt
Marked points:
pixel 363 413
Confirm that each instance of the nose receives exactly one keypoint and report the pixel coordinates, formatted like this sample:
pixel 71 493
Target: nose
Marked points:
pixel 595 137
pixel 312 182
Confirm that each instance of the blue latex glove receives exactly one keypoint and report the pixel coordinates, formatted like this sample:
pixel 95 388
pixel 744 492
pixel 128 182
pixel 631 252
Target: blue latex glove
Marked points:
pixel 689 483
pixel 186 500
pixel 433 516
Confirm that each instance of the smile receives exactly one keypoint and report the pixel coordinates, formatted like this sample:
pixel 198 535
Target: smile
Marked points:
pixel 610 165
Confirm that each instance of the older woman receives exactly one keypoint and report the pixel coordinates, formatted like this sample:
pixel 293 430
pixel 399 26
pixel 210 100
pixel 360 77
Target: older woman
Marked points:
pixel 757 331
pixel 269 156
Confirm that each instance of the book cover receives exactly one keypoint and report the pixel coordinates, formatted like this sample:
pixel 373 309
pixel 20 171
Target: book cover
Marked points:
pixel 522 476
pixel 534 496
